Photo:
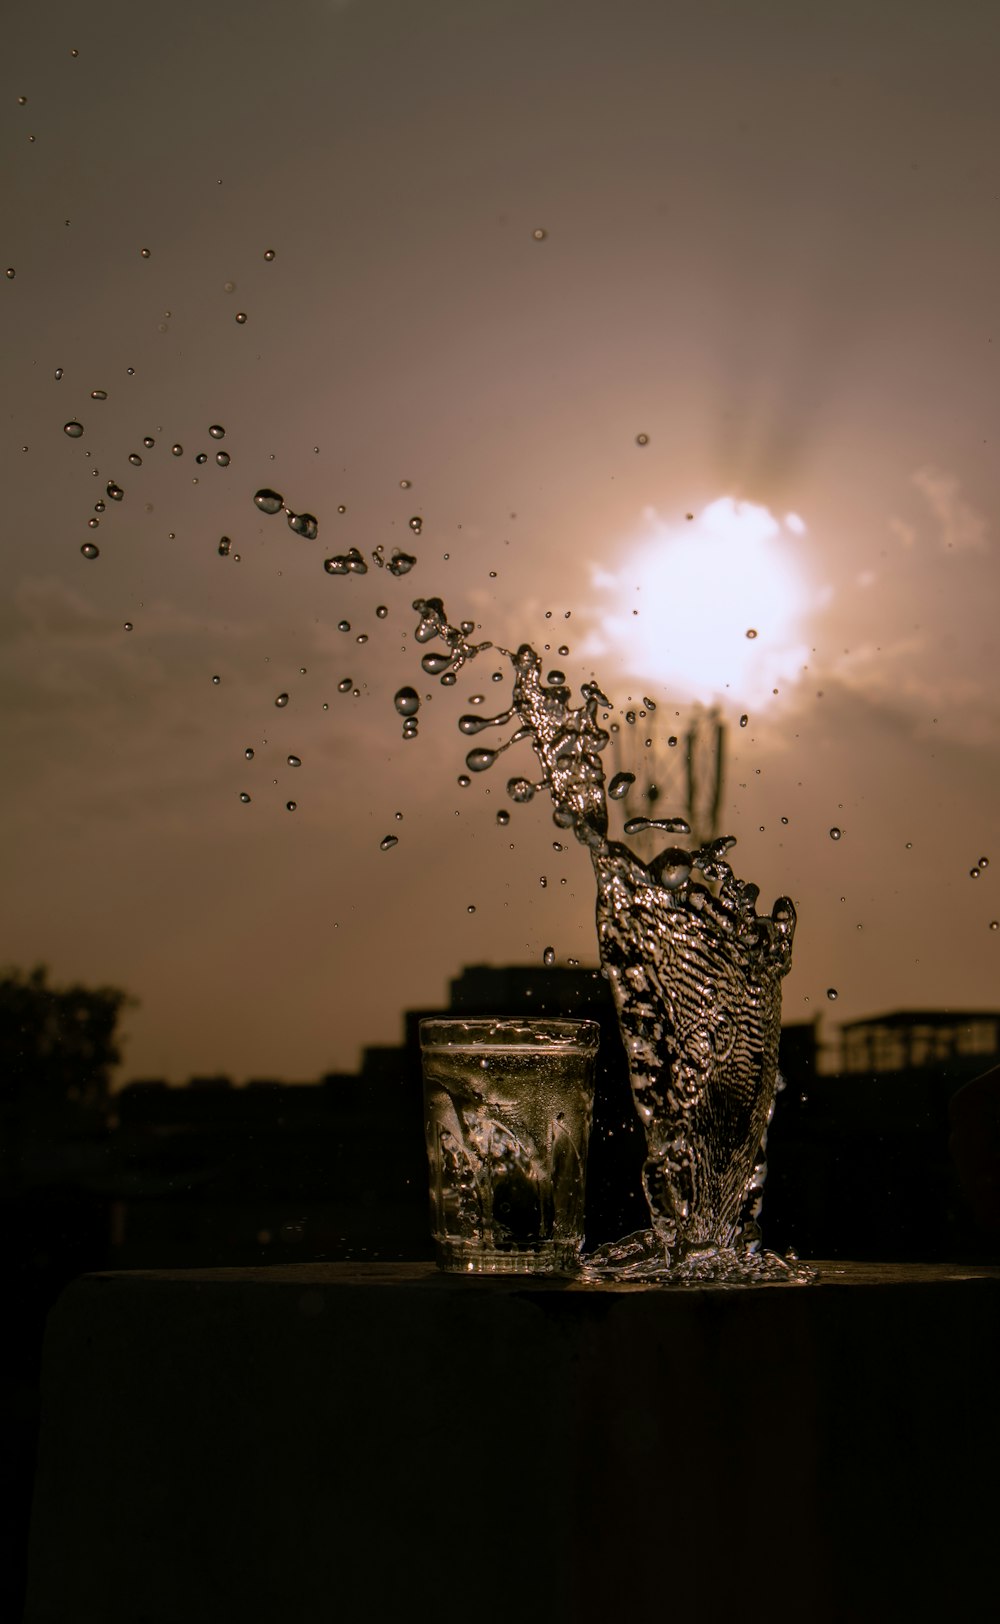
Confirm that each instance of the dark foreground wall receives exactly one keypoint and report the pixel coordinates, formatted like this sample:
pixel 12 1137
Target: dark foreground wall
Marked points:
pixel 380 1442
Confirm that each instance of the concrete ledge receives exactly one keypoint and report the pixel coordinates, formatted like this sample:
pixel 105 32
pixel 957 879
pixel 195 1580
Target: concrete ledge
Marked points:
pixel 370 1442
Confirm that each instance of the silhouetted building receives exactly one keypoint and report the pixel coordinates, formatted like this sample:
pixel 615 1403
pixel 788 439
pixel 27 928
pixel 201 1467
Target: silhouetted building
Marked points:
pixel 860 1162
pixel 955 1043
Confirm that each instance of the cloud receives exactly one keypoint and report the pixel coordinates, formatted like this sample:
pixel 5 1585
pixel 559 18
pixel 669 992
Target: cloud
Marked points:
pixel 905 533
pixel 910 680
pixel 962 528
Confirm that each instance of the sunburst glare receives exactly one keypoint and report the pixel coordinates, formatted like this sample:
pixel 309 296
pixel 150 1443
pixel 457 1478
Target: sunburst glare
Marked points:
pixel 713 608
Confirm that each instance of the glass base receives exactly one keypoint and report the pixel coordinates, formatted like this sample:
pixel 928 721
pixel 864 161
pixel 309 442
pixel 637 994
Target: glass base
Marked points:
pixel 471 1257
pixel 645 1258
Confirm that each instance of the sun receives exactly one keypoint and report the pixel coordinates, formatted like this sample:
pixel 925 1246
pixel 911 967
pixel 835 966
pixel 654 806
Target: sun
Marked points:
pixel 712 609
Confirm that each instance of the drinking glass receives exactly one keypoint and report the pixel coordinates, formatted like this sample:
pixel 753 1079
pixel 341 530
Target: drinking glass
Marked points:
pixel 507 1112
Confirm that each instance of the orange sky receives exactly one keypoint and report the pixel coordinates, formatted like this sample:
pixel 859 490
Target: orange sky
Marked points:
pixel 771 246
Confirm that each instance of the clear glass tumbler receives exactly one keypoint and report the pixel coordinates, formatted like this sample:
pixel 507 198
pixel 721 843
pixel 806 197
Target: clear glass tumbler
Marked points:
pixel 507 1110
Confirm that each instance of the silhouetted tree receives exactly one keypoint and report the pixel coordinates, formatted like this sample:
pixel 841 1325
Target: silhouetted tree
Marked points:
pixel 57 1050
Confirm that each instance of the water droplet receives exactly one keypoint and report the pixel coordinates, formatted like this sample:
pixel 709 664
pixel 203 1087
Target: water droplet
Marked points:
pixel 177 450
pixel 471 908
pixel 672 868
pixel 295 761
pixel 642 439
pixel 343 625
pixel 983 862
pixel 268 253
pixel 217 431
pixel 222 458
pixel 520 790
pixel 248 752
pixel 463 780
pixel 135 459
pixel 539 233
pixel 449 679
pixel 751 633
pixel 144 252
pixel 93 523
pixel 784 820
pixel 349 563
pixel 290 806
pixel 543 882
pixel 497 676
pixel 381 611
pixel 620 785
pixel 909 845
pixel 98 394
pixel 244 797
pixel 387 842
pixel 416 524
pixel 73 429
pixel 549 957
pixel 201 458
pixel 148 441
pixel 281 701
pixel 400 563
pixel 832 994
pixel 128 626
pixel 241 317
pixel 973 874
pixel 303 524
pixel 744 720
pixel 995 924
pixel 58 373
pixel 224 545
pixel 407 701
pixel 90 549
pixel 503 818
pixel 672 741
pixel 477 761
pixel 835 833
pixel 22 101
pixel 269 501
pixel 216 681
pixel 229 287
pixel 341 508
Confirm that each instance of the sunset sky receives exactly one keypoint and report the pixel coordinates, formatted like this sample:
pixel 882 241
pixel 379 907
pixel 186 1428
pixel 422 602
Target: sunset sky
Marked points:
pixel 510 237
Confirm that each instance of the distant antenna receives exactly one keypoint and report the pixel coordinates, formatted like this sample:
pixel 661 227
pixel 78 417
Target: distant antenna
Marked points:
pixel 681 780
pixel 706 745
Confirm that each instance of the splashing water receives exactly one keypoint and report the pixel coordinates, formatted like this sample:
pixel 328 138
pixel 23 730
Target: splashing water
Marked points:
pixel 696 977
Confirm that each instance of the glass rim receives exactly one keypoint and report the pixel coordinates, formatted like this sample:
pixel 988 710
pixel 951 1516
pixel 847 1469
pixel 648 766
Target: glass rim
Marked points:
pixel 534 1034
